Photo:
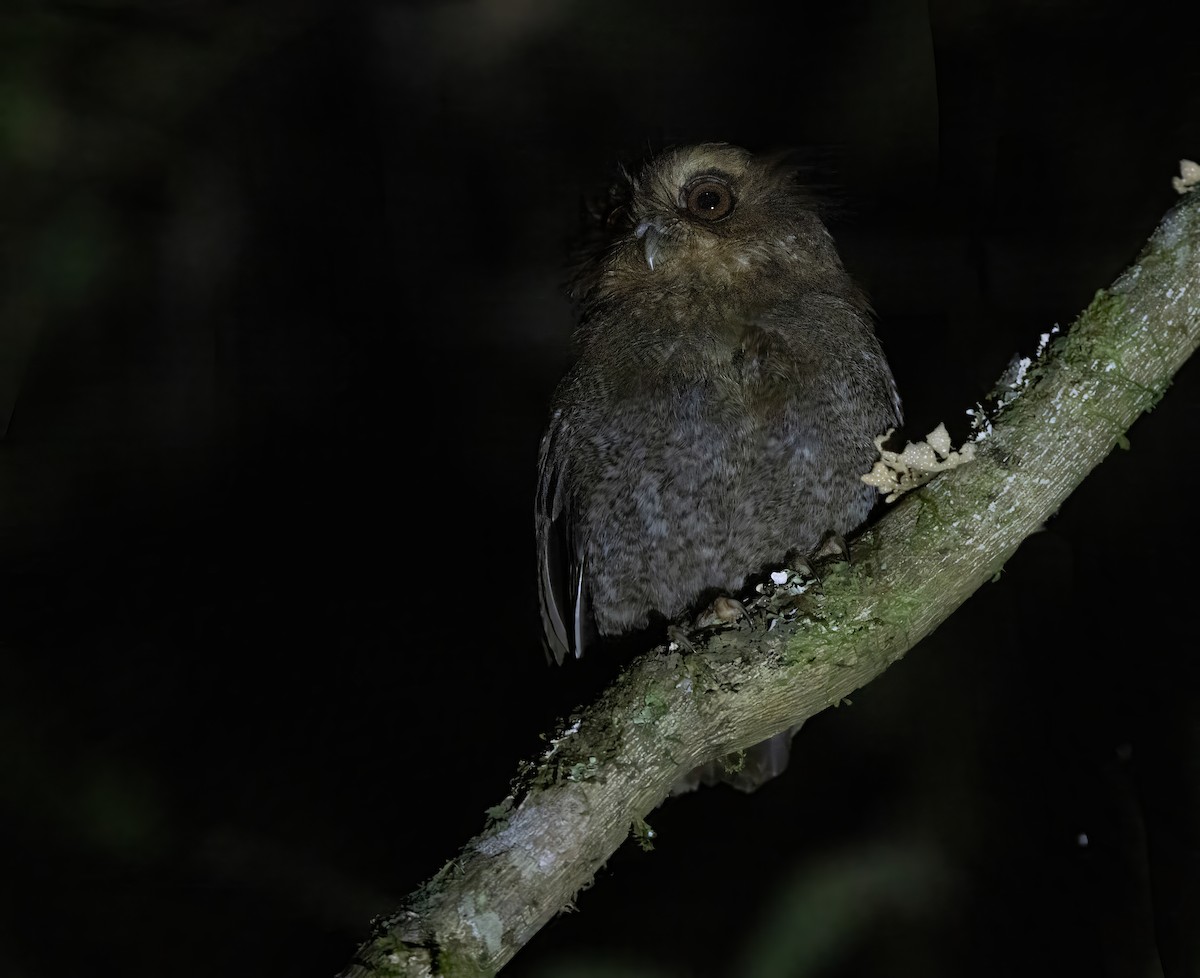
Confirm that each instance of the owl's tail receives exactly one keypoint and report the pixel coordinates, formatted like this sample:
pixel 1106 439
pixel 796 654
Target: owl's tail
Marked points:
pixel 746 770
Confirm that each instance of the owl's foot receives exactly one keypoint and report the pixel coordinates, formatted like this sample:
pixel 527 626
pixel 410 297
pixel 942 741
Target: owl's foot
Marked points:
pixel 832 549
pixel 723 611
pixel 680 637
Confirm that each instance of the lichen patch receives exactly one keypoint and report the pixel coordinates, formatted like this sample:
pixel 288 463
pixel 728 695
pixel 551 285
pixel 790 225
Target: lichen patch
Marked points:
pixel 1189 176
pixel 899 472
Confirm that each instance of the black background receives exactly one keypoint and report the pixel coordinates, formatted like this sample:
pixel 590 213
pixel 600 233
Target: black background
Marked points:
pixel 282 308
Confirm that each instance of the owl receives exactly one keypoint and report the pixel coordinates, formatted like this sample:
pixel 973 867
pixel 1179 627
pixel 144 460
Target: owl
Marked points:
pixel 723 407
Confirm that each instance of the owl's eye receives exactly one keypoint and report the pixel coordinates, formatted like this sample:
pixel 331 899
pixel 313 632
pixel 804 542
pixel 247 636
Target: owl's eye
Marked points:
pixel 708 198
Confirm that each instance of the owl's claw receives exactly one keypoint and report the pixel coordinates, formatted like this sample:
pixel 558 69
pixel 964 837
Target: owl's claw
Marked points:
pixel 722 612
pixel 796 560
pixel 832 549
pixel 678 635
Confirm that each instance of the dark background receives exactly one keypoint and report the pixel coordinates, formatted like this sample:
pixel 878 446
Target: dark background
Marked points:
pixel 280 317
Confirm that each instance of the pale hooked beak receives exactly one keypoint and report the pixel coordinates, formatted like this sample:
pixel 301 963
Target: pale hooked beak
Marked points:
pixel 650 234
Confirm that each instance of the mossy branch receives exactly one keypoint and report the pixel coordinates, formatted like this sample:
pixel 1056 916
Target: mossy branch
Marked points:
pixel 667 712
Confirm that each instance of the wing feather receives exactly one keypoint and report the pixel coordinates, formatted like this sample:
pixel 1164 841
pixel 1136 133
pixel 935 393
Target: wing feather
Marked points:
pixel 561 586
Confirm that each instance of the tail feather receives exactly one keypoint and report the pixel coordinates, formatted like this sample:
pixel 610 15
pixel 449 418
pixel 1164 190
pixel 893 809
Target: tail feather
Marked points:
pixel 746 770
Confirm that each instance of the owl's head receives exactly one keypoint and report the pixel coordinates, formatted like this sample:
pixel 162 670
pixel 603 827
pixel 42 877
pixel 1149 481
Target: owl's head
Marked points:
pixel 711 214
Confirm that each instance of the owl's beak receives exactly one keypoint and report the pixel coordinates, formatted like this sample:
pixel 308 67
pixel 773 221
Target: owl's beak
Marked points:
pixel 649 233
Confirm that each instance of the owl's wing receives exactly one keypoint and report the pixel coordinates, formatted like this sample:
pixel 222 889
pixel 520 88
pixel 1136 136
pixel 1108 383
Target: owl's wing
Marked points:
pixel 561 591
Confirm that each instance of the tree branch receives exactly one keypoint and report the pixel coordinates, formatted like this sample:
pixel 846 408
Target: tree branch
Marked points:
pixel 668 712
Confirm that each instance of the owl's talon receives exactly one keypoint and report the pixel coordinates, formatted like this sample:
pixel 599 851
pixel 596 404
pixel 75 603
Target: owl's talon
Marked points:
pixel 723 611
pixel 797 561
pixel 832 549
pixel 729 610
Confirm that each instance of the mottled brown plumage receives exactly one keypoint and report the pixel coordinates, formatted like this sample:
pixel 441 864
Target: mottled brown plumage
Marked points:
pixel 724 403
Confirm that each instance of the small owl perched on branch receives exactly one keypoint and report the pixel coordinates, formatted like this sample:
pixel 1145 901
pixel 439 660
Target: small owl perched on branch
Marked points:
pixel 724 405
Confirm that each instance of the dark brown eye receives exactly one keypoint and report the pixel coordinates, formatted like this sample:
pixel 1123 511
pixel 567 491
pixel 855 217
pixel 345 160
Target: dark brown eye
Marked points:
pixel 708 198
